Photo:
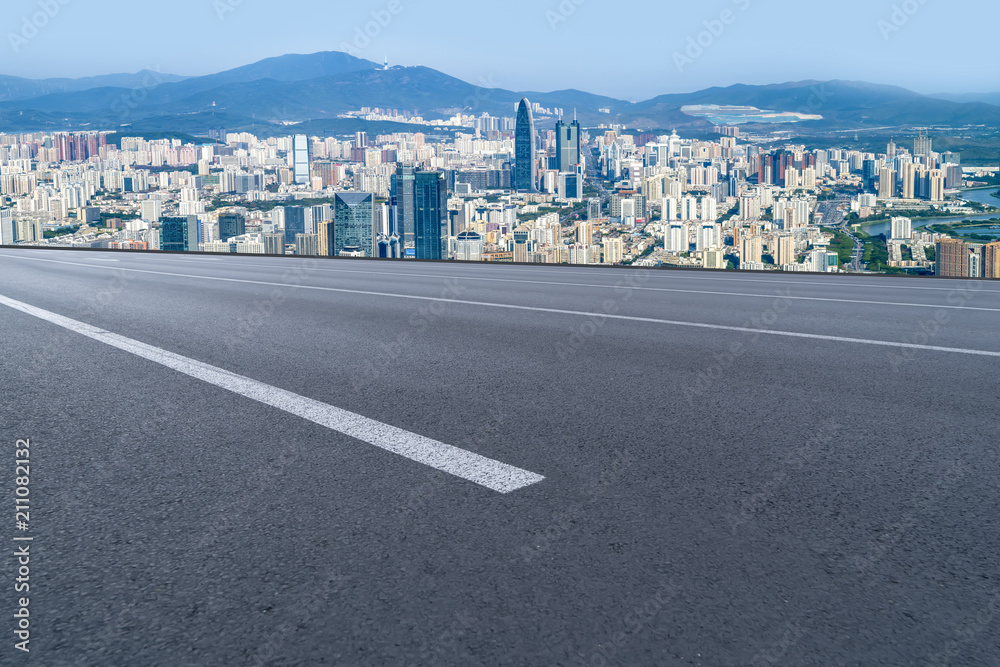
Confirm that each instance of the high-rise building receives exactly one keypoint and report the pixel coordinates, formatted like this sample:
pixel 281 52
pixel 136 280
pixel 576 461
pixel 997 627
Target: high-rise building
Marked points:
pixel 430 223
pixel 786 251
pixel 677 239
pixel 354 223
pixel 567 146
pixel 922 146
pixel 230 225
pixel 613 250
pixel 935 185
pixel 953 258
pixel 901 229
pixel 751 250
pixel 469 247
pixel 991 260
pixel 593 209
pixel 908 178
pixel 306 245
pixel 402 203
pixel 7 227
pixel 887 183
pixel 295 223
pixel 179 234
pixel 300 165
pixel 525 156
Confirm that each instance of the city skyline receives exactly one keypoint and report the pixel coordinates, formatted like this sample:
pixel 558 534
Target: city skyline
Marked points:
pixel 705 45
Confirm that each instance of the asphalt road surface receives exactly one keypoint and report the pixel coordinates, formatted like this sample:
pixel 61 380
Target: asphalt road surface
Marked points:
pixel 256 461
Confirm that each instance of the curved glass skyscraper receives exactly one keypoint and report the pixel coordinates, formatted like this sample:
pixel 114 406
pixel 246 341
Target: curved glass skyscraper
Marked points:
pixel 525 158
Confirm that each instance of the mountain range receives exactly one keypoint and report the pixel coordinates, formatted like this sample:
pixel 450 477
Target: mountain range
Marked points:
pixel 312 90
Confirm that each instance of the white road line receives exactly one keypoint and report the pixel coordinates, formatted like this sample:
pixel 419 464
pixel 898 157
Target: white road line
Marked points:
pixel 446 458
pixel 656 289
pixel 617 286
pixel 832 282
pixel 557 311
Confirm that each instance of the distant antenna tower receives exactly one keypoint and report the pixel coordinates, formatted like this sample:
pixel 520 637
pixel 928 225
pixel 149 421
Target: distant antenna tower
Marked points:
pixel 386 66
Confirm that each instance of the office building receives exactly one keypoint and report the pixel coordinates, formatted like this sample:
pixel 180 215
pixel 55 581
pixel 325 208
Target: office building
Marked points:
pixel 430 223
pixel 402 203
pixel 353 224
pixel 179 234
pixel 295 223
pixel 469 247
pixel 230 225
pixel 567 146
pixel 300 164
pixel 525 155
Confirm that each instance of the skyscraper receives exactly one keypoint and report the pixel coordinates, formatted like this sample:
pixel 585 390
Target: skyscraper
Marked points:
pixel 922 145
pixel 887 183
pixel 295 223
pixel 525 157
pixel 402 203
pixel 430 223
pixel 354 223
pixel 300 152
pixel 786 251
pixel 179 234
pixel 567 146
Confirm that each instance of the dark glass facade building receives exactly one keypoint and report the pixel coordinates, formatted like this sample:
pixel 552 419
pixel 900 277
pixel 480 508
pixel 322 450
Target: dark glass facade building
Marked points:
pixel 179 234
pixel 230 225
pixel 354 223
pixel 525 156
pixel 430 215
pixel 295 223
pixel 567 146
pixel 402 202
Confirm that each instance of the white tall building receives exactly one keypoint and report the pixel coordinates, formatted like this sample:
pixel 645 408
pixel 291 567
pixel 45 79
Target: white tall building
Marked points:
pixel 671 211
pixel 709 209
pixel 300 159
pixel 7 227
pixel 902 229
pixel 709 237
pixel 676 239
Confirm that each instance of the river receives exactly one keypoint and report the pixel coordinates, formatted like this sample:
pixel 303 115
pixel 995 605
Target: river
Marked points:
pixel 984 196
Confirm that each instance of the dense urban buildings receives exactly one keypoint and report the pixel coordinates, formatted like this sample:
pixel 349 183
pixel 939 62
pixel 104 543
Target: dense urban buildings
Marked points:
pixel 500 189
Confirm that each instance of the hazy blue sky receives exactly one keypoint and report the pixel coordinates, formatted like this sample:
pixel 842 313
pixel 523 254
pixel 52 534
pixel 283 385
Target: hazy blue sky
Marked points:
pixel 627 49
